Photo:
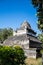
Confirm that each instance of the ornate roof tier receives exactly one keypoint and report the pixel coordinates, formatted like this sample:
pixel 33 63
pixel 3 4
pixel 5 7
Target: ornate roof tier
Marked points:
pixel 25 23
pixel 11 40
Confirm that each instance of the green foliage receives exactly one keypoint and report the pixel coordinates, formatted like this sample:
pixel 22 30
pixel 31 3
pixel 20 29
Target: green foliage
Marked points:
pixel 19 54
pixel 35 3
pixel 40 37
pixel 11 55
pixel 38 4
pixel 5 33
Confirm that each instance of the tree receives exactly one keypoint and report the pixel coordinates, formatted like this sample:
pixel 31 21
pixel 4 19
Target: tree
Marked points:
pixel 1 36
pixel 5 33
pixel 38 4
pixel 40 37
pixel 11 55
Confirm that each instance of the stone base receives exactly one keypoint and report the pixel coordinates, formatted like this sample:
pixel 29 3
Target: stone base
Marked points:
pixel 31 52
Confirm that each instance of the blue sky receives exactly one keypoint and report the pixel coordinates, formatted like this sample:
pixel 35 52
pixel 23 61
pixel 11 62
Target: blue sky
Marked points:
pixel 14 12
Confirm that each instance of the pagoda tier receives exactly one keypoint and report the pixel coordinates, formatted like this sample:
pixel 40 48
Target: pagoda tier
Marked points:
pixel 25 28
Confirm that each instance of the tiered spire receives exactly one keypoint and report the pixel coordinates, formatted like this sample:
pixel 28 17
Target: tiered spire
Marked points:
pixel 25 24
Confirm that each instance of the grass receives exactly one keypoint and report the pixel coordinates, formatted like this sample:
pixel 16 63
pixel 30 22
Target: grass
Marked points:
pixel 31 61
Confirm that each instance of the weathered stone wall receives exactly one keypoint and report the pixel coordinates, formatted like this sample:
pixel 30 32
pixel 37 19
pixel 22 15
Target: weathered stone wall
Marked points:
pixel 19 32
pixel 24 44
pixel 30 53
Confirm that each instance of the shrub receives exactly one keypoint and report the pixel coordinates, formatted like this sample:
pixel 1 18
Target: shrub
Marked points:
pixel 11 55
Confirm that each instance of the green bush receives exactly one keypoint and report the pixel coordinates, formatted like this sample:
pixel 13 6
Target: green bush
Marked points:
pixel 11 55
